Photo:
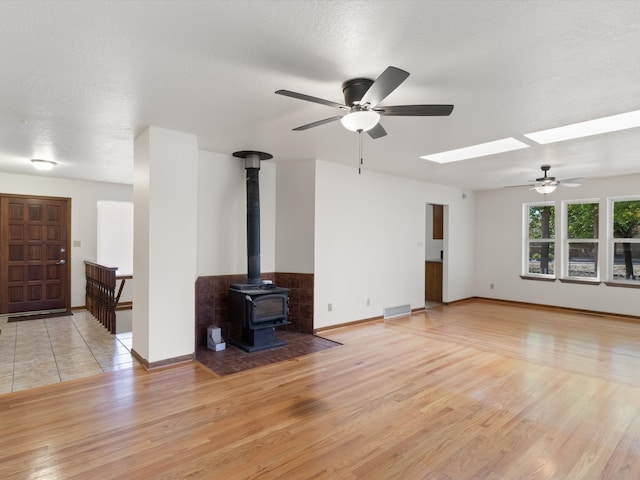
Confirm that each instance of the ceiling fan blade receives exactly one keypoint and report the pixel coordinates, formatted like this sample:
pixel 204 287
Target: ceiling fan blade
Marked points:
pixel 386 83
pixel 519 186
pixel 572 182
pixel 416 110
pixel 309 98
pixel 377 131
pixel 317 124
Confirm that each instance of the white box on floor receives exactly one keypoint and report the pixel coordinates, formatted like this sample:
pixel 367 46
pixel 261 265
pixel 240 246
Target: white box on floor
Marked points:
pixel 214 334
pixel 214 339
pixel 216 347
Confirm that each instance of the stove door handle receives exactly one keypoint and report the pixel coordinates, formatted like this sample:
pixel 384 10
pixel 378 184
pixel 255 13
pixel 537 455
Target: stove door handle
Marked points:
pixel 249 299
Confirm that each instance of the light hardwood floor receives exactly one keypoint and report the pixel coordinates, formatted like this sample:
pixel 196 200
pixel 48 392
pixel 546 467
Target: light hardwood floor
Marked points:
pixel 475 390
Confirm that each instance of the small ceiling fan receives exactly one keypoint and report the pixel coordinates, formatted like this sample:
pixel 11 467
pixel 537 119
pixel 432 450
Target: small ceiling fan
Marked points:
pixel 362 98
pixel 547 184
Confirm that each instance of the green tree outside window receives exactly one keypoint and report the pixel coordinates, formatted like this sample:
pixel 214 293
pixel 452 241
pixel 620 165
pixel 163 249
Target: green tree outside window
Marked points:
pixel 626 225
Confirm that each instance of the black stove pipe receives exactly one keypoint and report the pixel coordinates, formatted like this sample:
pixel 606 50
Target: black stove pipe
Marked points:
pixel 253 226
pixel 252 166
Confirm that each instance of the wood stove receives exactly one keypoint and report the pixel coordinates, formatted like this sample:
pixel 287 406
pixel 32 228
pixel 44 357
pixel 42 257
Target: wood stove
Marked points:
pixel 256 311
pixel 256 308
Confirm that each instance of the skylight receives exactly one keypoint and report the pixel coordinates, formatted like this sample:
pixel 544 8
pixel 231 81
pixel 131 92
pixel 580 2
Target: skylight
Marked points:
pixel 613 123
pixel 474 151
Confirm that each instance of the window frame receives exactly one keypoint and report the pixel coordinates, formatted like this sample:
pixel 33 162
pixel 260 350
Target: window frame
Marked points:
pixel 611 241
pixel 566 241
pixel 527 242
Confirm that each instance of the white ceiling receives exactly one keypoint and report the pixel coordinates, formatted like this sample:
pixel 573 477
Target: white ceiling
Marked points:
pixel 81 78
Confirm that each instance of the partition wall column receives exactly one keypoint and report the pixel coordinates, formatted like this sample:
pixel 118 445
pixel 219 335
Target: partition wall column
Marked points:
pixel 165 245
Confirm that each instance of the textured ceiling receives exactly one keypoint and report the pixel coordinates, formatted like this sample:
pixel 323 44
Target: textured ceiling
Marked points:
pixel 81 79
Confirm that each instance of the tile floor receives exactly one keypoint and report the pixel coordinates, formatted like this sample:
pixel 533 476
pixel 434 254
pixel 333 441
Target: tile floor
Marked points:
pixel 233 360
pixel 34 353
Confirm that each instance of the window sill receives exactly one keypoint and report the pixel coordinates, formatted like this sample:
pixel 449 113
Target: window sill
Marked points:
pixel 580 281
pixel 622 284
pixel 539 279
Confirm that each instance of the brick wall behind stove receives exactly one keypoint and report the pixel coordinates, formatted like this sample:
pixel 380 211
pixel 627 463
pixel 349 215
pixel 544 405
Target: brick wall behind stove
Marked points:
pixel 212 293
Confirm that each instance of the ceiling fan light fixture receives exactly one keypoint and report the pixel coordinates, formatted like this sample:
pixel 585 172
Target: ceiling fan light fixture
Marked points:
pixel 544 189
pixel 40 164
pixel 360 120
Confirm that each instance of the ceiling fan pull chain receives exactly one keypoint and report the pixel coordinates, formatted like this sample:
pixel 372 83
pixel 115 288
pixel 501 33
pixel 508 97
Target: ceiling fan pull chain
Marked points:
pixel 360 151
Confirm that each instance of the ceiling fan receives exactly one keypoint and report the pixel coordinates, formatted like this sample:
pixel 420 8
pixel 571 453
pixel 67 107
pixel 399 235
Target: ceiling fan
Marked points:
pixel 547 184
pixel 362 98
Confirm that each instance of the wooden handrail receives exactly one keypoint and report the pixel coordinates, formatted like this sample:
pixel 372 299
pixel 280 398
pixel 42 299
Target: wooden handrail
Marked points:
pixel 100 297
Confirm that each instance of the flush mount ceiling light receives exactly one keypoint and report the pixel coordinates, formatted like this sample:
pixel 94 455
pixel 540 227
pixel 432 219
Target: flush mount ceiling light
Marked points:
pixel 358 120
pixel 474 151
pixel 544 189
pixel 43 164
pixel 613 123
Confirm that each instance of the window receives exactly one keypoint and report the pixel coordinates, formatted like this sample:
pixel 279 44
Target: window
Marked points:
pixel 625 240
pixel 115 235
pixel 581 243
pixel 580 256
pixel 540 240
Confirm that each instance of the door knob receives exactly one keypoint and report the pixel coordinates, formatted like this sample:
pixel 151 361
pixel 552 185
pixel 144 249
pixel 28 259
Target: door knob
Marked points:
pixel 61 262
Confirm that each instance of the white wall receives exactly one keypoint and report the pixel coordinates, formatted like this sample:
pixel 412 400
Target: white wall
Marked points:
pixel 141 306
pixel 165 243
pixel 295 221
pixel 499 249
pixel 84 198
pixel 222 215
pixel 368 232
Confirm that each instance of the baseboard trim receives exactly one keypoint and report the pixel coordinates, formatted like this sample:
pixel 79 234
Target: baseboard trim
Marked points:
pixel 162 363
pixel 364 320
pixel 621 316
pixel 120 306
pixel 461 300
pixel 348 324
pixel 124 306
pixel 595 313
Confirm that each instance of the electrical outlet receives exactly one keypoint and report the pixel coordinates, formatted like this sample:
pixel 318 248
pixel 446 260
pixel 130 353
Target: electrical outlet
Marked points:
pixel 491 286
pixel 368 302
pixel 329 307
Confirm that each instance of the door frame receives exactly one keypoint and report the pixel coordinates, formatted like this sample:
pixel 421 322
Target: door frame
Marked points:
pixel 67 266
pixel 428 216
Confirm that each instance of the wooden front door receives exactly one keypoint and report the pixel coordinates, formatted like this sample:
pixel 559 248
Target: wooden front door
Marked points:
pixel 34 253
